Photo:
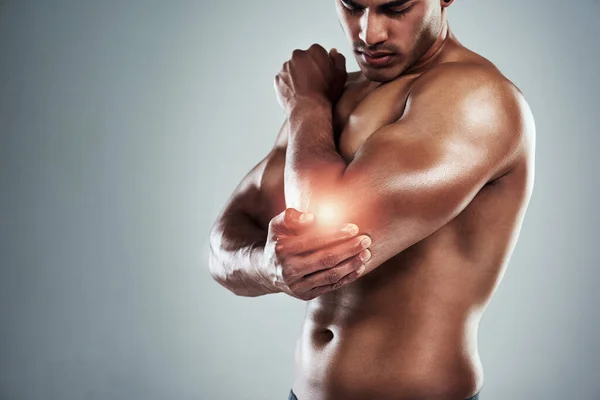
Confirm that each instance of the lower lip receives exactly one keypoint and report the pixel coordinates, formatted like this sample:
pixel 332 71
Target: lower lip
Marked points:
pixel 377 61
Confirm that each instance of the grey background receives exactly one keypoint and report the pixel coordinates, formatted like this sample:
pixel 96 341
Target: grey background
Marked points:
pixel 124 127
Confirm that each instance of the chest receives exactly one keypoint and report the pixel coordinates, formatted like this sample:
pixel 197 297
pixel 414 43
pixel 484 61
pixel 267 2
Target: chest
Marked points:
pixel 363 109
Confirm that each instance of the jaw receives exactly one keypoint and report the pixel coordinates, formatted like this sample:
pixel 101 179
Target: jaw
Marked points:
pixel 381 75
pixel 376 76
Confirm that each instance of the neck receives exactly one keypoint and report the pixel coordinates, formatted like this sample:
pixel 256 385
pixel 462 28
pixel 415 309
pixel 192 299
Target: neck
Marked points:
pixel 433 52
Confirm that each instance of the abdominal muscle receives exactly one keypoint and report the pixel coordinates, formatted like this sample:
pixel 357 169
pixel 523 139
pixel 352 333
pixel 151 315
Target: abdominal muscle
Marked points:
pixel 405 331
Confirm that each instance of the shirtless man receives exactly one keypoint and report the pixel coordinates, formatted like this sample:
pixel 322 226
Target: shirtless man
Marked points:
pixel 428 151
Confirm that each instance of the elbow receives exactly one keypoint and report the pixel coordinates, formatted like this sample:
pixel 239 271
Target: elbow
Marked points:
pixel 218 272
pixel 216 267
pixel 223 276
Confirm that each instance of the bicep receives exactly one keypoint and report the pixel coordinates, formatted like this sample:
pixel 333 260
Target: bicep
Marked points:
pixel 402 190
pixel 412 177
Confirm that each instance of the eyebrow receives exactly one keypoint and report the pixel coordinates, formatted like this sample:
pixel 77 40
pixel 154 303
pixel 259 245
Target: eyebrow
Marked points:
pixel 389 4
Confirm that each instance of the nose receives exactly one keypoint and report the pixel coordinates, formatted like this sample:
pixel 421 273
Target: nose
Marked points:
pixel 372 30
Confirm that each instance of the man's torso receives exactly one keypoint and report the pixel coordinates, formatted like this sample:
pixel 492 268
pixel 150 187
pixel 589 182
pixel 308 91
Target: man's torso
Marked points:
pixel 408 329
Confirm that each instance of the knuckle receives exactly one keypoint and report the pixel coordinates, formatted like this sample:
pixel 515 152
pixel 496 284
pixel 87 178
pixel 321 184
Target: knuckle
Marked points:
pixel 343 282
pixel 333 276
pixel 320 241
pixel 339 284
pixel 288 214
pixel 289 211
pixel 315 46
pixel 280 248
pixel 329 260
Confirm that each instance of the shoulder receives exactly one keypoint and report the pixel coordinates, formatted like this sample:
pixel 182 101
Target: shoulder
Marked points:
pixel 476 95
pixel 464 83
pixel 474 107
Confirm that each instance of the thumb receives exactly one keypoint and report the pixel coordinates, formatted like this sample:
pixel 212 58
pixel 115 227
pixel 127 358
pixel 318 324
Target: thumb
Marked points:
pixel 291 221
pixel 294 217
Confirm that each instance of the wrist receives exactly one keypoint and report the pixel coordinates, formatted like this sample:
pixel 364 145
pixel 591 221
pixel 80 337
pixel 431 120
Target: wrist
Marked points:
pixel 309 103
pixel 266 272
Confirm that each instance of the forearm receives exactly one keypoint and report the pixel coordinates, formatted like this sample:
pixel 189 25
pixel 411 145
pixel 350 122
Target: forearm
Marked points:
pixel 236 255
pixel 314 168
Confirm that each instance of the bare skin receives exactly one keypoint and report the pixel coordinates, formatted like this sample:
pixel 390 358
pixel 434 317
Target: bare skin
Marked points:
pixel 406 326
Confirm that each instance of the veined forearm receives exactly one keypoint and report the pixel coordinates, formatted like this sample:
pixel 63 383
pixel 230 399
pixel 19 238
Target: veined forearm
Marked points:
pixel 236 256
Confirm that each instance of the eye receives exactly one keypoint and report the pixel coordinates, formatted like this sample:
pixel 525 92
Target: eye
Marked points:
pixel 351 9
pixel 398 14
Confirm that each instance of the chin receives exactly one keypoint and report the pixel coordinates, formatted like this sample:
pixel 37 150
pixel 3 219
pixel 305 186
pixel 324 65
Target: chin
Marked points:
pixel 381 75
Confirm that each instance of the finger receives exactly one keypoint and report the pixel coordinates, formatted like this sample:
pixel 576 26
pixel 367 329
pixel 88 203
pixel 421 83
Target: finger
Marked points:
pixel 325 266
pixel 333 275
pixel 338 59
pixel 346 280
pixel 318 238
pixel 331 256
pixel 295 219
pixel 320 55
pixel 317 50
pixel 340 62
pixel 291 222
